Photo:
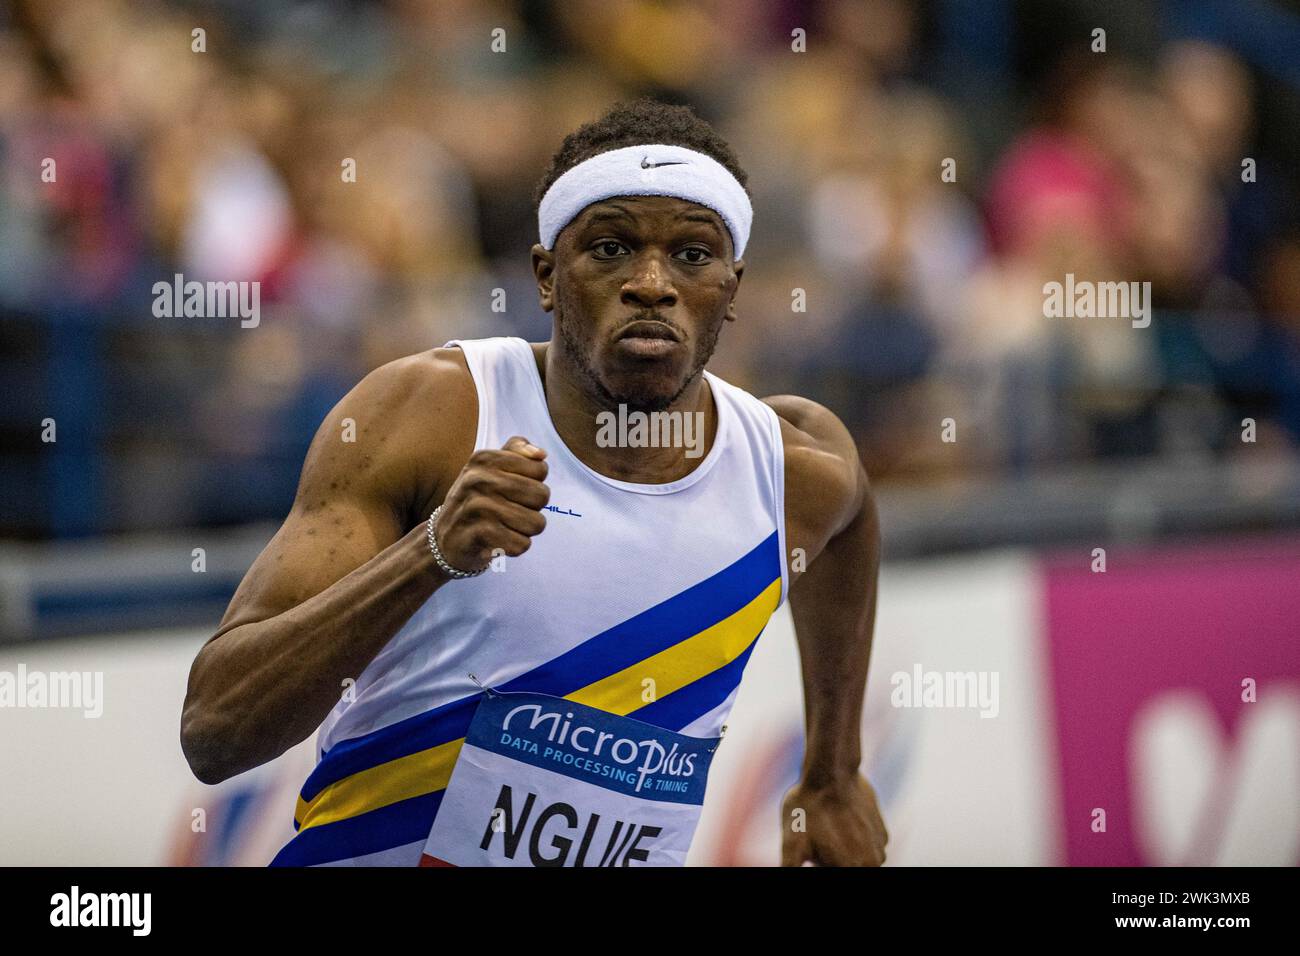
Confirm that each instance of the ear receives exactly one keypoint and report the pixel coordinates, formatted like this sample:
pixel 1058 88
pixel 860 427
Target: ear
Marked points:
pixel 738 267
pixel 544 272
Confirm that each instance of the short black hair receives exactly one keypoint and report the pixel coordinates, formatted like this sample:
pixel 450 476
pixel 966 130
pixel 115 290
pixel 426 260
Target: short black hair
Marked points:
pixel 632 123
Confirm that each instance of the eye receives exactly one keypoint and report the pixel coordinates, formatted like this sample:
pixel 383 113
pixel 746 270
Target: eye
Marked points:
pixel 607 248
pixel 703 255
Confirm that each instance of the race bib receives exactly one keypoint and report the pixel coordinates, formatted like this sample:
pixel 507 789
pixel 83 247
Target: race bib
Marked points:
pixel 543 781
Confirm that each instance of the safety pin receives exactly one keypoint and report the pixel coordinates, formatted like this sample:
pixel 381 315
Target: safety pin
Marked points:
pixel 722 735
pixel 487 690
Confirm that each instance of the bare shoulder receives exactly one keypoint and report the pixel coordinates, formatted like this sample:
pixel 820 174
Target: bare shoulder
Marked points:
pixel 407 398
pixel 440 375
pixel 401 430
pixel 824 478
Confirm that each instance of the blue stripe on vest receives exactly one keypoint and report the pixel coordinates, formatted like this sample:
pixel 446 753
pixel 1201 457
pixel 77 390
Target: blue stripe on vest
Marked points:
pixel 394 825
pixel 687 704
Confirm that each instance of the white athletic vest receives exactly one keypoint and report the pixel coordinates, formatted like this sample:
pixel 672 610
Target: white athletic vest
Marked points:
pixel 637 599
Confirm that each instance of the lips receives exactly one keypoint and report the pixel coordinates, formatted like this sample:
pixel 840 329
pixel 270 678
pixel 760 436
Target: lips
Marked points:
pixel 646 329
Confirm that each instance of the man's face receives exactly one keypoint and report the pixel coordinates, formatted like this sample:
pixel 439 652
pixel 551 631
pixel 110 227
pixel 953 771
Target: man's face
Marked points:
pixel 631 268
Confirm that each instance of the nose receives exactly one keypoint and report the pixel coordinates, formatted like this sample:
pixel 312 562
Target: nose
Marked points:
pixel 650 286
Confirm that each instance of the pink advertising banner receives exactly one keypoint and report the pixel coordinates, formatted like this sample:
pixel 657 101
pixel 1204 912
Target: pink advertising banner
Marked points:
pixel 1174 682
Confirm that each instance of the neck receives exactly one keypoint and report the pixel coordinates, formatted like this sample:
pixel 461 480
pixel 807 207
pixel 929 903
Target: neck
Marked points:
pixel 574 413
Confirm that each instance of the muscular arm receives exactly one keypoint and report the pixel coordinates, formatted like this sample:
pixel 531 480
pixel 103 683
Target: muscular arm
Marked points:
pixel 831 515
pixel 834 610
pixel 339 578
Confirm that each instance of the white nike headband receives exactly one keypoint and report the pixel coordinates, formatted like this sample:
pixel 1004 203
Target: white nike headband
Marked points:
pixel 650 170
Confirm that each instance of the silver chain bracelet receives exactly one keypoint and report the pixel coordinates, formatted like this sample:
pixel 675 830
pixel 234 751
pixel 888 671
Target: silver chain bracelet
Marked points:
pixel 447 569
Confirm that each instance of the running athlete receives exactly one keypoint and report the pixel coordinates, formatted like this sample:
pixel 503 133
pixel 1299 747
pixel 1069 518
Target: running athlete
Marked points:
pixel 518 625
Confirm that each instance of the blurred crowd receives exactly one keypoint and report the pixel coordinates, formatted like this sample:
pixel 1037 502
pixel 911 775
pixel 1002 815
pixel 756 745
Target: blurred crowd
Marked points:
pixel 1172 157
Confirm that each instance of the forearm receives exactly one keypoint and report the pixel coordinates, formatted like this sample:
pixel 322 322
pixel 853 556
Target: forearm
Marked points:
pixel 834 608
pixel 262 687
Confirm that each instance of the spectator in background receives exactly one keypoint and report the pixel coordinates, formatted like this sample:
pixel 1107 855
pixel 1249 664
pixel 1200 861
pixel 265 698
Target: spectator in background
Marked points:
pixel 1109 188
pixel 899 244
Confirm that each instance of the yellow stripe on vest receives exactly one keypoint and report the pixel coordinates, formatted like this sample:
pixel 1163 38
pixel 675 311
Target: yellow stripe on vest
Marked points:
pixel 683 663
pixel 414 775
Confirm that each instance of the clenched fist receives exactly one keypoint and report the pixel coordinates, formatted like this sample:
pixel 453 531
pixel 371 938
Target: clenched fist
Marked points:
pixel 838 824
pixel 496 502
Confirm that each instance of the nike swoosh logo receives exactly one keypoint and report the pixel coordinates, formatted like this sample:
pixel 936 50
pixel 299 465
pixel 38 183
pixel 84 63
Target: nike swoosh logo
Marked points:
pixel 646 164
